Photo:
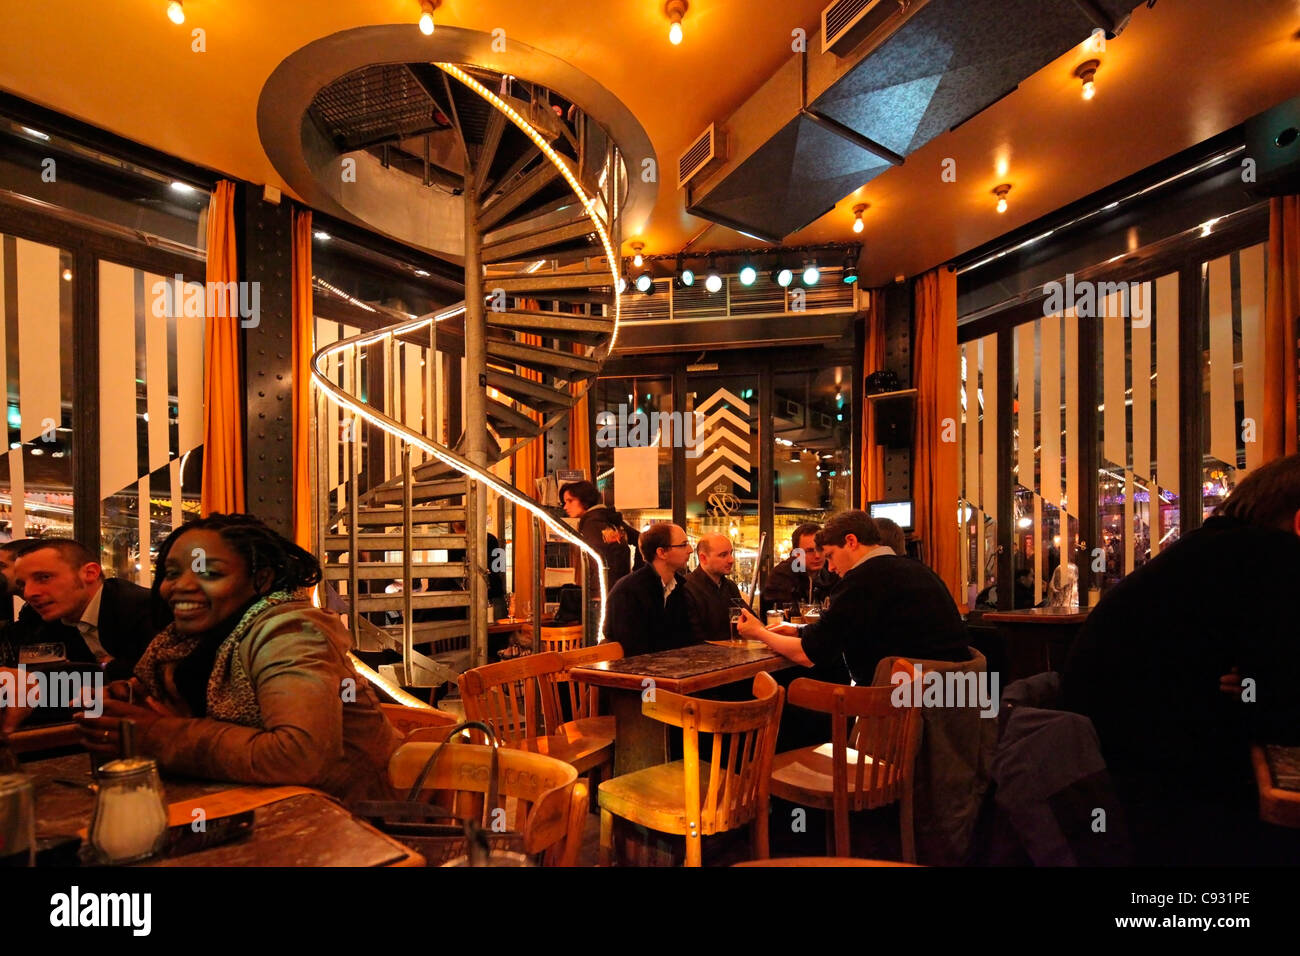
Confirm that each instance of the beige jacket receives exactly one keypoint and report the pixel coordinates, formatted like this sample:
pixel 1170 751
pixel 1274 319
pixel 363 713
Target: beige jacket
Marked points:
pixel 318 733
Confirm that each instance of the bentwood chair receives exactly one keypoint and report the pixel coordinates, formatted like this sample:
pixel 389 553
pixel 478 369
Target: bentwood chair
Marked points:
pixel 419 723
pixel 864 767
pixel 694 801
pixel 561 639
pixel 581 702
pixel 517 699
pixel 550 802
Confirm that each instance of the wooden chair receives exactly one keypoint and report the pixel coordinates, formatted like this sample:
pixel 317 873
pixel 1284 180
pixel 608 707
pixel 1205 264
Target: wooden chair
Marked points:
pixel 584 699
pixel 693 801
pixel 516 698
pixel 419 723
pixel 866 767
pixel 561 639
pixel 551 800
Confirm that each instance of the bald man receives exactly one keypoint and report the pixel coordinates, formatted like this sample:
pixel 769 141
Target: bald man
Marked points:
pixel 709 592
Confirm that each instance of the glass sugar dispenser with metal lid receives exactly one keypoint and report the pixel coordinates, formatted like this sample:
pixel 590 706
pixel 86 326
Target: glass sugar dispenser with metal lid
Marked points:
pixel 130 820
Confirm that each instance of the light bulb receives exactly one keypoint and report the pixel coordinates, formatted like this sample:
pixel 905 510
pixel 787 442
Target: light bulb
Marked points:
pixel 176 12
pixel 748 274
pixel 783 277
pixel 810 275
pixel 1089 89
pixel 1002 204
pixel 857 225
pixel 426 24
pixel 675 33
pixel 637 260
pixel 713 282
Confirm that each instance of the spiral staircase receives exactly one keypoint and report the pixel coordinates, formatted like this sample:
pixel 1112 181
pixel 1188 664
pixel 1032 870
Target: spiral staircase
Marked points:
pixel 542 189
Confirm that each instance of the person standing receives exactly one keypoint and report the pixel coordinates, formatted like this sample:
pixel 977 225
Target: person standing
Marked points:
pixel 647 610
pixel 710 592
pixel 602 528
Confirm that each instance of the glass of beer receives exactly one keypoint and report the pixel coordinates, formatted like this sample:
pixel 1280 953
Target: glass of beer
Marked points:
pixel 735 615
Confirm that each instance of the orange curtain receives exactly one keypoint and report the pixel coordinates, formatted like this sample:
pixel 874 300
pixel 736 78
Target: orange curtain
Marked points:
pixel 580 430
pixel 530 464
pixel 871 470
pixel 935 460
pixel 223 405
pixel 302 347
pixel 1278 431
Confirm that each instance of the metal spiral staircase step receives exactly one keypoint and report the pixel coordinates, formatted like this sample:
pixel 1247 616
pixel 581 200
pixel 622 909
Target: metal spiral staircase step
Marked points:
pixel 396 602
pixel 395 542
pixel 542 398
pixel 511 423
pixel 540 358
pixel 525 283
pixel 535 244
pixel 420 491
pixel 562 324
pixel 390 570
pixel 419 515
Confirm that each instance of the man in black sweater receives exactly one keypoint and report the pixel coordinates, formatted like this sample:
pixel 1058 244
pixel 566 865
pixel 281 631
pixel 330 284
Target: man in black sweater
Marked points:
pixel 883 606
pixel 647 609
pixel 1189 658
pixel 710 592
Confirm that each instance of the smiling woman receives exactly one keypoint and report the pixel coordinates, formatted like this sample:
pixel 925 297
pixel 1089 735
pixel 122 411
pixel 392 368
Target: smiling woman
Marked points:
pixel 250 683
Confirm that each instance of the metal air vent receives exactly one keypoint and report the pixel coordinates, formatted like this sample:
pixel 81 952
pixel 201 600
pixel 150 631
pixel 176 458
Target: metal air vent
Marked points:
pixel 698 155
pixel 846 23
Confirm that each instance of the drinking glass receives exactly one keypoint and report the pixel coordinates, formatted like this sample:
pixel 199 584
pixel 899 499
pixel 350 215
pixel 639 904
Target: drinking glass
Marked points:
pixel 734 615
pixel 42 653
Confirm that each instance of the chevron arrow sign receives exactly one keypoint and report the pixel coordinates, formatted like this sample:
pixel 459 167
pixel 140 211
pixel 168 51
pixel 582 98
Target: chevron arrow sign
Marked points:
pixel 722 424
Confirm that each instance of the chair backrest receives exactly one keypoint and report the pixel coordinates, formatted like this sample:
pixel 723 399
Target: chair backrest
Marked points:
pixel 582 700
pixel 545 790
pixel 562 639
pixel 419 723
pixel 878 751
pixel 512 697
pixel 744 742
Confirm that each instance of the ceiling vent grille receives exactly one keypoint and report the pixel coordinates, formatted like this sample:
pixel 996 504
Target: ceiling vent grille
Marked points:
pixel 698 155
pixel 846 23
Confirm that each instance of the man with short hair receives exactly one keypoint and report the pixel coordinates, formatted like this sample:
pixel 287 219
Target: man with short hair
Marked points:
pixel 802 577
pixel 108 620
pixel 710 593
pixel 9 552
pixel 884 605
pixel 647 609
pixel 892 536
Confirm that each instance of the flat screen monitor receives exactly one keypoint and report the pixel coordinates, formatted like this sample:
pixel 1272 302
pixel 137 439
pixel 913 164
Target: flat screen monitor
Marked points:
pixel 899 512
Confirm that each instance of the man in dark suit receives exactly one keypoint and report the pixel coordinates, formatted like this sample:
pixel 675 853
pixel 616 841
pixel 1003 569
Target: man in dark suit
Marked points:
pixel 69 601
pixel 647 610
pixel 710 593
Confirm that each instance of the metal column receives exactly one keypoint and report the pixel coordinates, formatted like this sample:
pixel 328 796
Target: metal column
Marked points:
pixel 475 426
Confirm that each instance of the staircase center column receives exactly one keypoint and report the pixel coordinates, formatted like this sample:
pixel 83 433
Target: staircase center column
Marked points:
pixel 476 434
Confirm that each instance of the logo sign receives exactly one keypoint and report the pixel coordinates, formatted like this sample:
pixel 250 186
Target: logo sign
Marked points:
pixel 725 441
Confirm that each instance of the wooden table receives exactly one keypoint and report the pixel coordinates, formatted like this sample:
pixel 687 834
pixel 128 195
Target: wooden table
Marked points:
pixel 1038 638
pixel 641 742
pixel 292 826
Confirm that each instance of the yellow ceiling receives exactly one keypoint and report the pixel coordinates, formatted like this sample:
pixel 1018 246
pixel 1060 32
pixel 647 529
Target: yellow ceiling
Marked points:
pixel 1180 73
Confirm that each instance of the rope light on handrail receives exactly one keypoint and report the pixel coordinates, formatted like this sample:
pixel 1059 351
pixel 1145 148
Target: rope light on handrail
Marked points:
pixel 442 453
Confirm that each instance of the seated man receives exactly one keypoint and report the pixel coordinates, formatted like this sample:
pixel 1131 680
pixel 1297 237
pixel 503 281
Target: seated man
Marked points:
pixel 9 552
pixel 892 536
pixel 1147 669
pixel 108 620
pixel 646 610
pixel 883 606
pixel 802 577
pixel 710 594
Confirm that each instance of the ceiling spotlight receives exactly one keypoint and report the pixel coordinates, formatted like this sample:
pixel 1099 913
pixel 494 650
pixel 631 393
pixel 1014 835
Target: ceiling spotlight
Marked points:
pixel 685 274
pixel 638 260
pixel 782 276
pixel 67 275
pixel 426 15
pixel 675 10
pixel 176 12
pixel 321 235
pixel 810 272
pixel 1088 73
pixel 748 274
pixel 850 269
pixel 181 187
pixel 645 283
pixel 858 210
pixel 1001 193
pixel 622 284
pixel 713 281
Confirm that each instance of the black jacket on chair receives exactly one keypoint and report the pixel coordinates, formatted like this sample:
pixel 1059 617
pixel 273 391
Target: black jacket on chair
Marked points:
pixel 127 623
pixel 638 617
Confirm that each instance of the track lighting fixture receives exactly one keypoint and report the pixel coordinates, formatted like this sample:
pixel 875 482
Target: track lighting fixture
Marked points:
pixel 810 272
pixel 713 281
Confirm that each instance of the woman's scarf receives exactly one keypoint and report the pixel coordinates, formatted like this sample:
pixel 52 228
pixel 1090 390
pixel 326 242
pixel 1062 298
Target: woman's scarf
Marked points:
pixel 230 695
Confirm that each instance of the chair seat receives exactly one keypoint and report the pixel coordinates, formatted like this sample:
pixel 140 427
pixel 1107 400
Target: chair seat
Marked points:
pixel 580 751
pixel 655 797
pixel 589 727
pixel 806 775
